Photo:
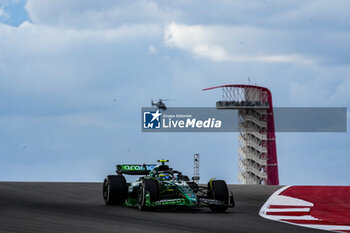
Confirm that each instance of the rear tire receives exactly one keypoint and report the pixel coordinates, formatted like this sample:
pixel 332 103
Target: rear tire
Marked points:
pixel 115 190
pixel 150 187
pixel 219 191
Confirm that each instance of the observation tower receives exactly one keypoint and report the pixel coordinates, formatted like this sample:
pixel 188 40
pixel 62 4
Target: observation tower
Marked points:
pixel 257 141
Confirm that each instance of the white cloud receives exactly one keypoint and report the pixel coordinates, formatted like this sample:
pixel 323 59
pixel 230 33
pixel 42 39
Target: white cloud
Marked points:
pixel 39 49
pixel 72 80
pixel 97 14
pixel 313 15
pixel 152 49
pixel 321 87
pixel 341 94
pixel 214 43
pixel 3 13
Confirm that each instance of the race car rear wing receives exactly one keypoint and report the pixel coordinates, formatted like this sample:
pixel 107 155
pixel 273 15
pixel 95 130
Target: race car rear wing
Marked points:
pixel 135 169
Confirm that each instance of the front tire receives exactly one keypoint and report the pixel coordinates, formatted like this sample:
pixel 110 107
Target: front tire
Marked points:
pixel 150 187
pixel 218 190
pixel 115 190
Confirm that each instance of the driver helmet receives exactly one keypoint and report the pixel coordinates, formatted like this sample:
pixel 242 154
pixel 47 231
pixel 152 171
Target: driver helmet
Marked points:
pixel 164 176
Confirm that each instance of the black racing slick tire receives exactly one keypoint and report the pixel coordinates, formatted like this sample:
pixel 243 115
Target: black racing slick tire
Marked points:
pixel 150 187
pixel 218 190
pixel 115 190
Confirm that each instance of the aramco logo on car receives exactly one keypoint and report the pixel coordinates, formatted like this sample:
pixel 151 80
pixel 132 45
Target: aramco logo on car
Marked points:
pixel 138 167
pixel 157 120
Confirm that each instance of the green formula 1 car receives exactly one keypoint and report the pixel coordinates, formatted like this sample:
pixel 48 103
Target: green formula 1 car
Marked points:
pixel 160 186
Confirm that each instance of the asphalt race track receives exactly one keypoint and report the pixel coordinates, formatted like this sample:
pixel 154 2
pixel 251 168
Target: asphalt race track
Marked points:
pixel 78 207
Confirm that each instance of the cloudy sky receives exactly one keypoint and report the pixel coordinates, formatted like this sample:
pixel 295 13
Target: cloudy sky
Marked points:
pixel 75 74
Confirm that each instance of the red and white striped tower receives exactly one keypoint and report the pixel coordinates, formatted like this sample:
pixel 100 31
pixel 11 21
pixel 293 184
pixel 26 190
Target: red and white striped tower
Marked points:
pixel 257 150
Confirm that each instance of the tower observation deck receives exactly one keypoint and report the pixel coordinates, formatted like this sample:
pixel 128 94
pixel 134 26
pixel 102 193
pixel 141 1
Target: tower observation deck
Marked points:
pixel 257 144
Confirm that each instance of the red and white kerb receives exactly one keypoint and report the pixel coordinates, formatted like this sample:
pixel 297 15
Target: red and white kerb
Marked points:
pixel 319 207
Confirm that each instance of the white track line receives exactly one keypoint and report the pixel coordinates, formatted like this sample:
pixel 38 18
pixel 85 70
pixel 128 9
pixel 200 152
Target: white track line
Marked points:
pixel 285 200
pixel 264 208
pixel 286 218
pixel 289 210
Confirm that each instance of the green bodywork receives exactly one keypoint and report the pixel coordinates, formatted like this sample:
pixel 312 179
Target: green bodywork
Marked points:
pixel 173 192
pixel 178 193
pixel 172 188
